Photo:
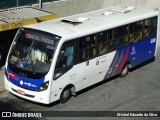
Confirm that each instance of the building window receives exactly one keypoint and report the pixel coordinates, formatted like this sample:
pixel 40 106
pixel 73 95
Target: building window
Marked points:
pixel 4 4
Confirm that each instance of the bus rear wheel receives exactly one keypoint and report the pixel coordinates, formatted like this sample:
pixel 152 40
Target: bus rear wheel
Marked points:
pixel 124 71
pixel 66 95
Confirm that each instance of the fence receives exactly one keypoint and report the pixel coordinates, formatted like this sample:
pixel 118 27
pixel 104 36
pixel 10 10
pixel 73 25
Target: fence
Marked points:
pixel 16 3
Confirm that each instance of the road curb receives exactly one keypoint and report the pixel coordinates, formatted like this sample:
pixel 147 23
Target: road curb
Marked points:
pixel 2 90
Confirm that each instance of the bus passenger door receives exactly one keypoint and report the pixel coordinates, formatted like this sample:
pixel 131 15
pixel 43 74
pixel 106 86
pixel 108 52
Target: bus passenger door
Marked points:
pixel 64 71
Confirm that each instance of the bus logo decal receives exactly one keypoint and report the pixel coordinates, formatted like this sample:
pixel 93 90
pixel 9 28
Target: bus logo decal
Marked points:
pixel 21 82
pixel 97 63
pixel 29 84
pixel 153 40
pixel 22 64
pixel 87 63
pixel 133 49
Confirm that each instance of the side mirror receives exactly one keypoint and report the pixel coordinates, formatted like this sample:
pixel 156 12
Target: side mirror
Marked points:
pixel 57 75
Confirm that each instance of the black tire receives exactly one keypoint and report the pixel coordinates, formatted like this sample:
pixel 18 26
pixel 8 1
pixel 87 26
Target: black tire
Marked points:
pixel 124 71
pixel 66 95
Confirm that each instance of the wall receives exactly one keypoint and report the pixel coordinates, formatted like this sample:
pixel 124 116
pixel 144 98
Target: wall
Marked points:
pixel 71 7
pixel 144 3
pixel 17 3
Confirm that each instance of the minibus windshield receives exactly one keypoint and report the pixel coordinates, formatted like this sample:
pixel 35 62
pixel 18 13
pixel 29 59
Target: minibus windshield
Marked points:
pixel 33 50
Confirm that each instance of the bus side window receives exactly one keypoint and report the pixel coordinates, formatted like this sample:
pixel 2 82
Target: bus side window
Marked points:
pixel 110 45
pixel 147 29
pixel 136 33
pixel 154 26
pixel 154 22
pixel 120 34
pixel 150 27
pixel 137 26
pixel 87 47
pixel 66 57
pixel 110 41
pixel 121 31
pixel 120 43
pixel 102 43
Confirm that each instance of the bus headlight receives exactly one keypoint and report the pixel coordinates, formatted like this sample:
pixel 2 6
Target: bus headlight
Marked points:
pixel 44 86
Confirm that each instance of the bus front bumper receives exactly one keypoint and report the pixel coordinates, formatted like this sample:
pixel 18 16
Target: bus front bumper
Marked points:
pixel 40 97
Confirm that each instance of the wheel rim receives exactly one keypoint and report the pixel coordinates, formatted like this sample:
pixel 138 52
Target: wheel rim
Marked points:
pixel 125 70
pixel 66 94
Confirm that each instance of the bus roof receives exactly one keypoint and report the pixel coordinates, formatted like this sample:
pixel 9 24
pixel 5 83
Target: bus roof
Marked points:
pixel 92 22
pixel 17 17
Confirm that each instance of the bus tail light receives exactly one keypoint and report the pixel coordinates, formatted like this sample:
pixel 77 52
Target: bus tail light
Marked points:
pixel 44 86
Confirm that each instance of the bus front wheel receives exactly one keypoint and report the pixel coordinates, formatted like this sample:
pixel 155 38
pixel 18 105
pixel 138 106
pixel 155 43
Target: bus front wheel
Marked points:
pixel 66 95
pixel 124 71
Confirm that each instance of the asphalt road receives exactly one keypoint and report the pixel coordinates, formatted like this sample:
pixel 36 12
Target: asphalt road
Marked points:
pixel 139 91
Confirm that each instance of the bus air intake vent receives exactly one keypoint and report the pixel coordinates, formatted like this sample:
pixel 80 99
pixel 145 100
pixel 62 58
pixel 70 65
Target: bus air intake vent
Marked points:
pixel 82 19
pixel 123 9
pixel 130 7
pixel 107 13
pixel 78 21
pixel 71 22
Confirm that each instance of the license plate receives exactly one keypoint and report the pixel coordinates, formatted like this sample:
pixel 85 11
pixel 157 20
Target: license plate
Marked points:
pixel 21 92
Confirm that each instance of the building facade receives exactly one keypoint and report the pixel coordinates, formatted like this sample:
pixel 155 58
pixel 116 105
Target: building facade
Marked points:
pixel 9 3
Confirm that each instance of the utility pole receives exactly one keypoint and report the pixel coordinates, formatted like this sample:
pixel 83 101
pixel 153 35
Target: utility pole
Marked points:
pixel 40 4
